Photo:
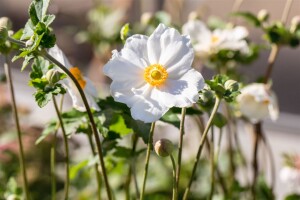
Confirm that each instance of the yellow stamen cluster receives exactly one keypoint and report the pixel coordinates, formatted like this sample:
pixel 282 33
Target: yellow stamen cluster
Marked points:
pixel 155 75
pixel 214 39
pixel 78 75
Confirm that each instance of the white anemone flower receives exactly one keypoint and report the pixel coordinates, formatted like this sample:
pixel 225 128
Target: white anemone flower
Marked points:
pixel 86 84
pixel 152 74
pixel 257 102
pixel 207 43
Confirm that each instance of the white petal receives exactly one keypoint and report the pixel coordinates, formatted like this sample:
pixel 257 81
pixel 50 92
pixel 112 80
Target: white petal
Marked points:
pixel 59 55
pixel 153 44
pixel 138 44
pixel 182 92
pixel 148 108
pixel 240 32
pixel 197 30
pixel 121 69
pixel 273 107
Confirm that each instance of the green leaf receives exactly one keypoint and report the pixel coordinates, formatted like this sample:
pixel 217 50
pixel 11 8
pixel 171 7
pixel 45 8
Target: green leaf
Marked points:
pixel 33 13
pixel 292 197
pixel 219 120
pixel 171 118
pixel 48 19
pixel 50 128
pixel 38 10
pixel 122 152
pixel 28 30
pixel 118 125
pixel 251 18
pixel 26 61
pixel 42 98
pixel 74 170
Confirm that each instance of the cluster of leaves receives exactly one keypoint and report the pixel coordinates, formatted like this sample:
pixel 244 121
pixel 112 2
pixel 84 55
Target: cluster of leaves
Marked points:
pixel 45 87
pixel 37 32
pixel 275 32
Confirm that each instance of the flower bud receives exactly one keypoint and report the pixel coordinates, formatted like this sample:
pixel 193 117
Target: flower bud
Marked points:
pixel 29 42
pixel 146 18
pixel 263 15
pixel 3 34
pixel 4 21
pixel 53 76
pixel 231 85
pixel 163 147
pixel 295 23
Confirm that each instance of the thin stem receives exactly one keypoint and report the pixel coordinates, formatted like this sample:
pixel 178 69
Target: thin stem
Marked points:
pixel 150 141
pixel 175 191
pixel 181 133
pixel 236 5
pixel 271 60
pixel 91 118
pixel 130 170
pixel 16 118
pixel 257 133
pixel 202 141
pixel 96 166
pixel 286 11
pixel 53 179
pixel 65 139
pixel 212 164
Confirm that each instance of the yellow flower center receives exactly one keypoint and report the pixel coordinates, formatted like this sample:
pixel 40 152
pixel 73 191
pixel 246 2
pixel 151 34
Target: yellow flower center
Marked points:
pixel 78 75
pixel 214 39
pixel 155 75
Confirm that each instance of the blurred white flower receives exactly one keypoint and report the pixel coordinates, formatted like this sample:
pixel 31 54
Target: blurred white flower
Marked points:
pixel 153 74
pixel 85 83
pixel 257 102
pixel 290 173
pixel 207 43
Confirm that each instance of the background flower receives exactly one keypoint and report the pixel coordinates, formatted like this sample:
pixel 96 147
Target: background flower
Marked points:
pixel 153 74
pixel 85 83
pixel 257 102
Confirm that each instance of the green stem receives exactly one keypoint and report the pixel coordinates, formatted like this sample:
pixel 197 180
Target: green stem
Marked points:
pixel 150 141
pixel 96 166
pixel 16 118
pixel 91 118
pixel 202 142
pixel 88 110
pixel 181 133
pixel 257 133
pixel 53 179
pixel 212 164
pixel 131 163
pixel 65 139
pixel 175 191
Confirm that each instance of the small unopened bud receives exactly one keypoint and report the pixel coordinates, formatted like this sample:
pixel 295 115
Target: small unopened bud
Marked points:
pixel 146 18
pixel 29 42
pixel 295 23
pixel 3 34
pixel 53 76
pixel 231 85
pixel 4 21
pixel 263 15
pixel 193 16
pixel 163 147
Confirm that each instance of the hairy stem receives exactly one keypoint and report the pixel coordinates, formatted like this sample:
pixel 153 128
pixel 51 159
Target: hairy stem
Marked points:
pixel 181 133
pixel 16 118
pixel 65 139
pixel 175 191
pixel 150 141
pixel 202 141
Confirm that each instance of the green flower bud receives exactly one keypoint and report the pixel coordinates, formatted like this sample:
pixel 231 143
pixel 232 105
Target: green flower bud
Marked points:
pixel 3 34
pixel 295 24
pixel 53 76
pixel 163 147
pixel 263 15
pixel 231 85
pixel 4 21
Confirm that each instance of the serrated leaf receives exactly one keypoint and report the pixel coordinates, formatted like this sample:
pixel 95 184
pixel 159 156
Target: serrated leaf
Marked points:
pixel 33 13
pixel 42 98
pixel 48 19
pixel 28 30
pixel 26 61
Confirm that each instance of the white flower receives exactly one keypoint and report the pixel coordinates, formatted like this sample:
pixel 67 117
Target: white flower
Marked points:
pixel 257 102
pixel 207 43
pixel 89 89
pixel 290 176
pixel 152 74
